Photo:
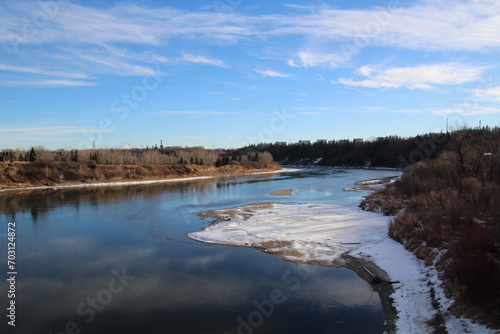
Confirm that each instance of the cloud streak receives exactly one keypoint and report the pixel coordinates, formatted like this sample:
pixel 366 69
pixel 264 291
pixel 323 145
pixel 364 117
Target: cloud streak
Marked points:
pixel 416 77
pixel 47 83
pixel 129 39
pixel 33 70
pixel 273 74
pixel 203 60
pixel 198 113
pixel 39 133
pixel 491 94
pixel 469 111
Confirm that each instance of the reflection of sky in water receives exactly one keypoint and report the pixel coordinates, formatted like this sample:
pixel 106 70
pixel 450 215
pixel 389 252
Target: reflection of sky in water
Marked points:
pixel 69 241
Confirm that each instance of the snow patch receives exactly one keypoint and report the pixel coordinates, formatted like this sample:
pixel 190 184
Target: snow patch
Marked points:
pixel 322 233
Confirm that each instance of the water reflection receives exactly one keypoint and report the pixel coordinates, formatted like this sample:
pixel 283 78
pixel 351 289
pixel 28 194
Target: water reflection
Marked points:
pixel 71 241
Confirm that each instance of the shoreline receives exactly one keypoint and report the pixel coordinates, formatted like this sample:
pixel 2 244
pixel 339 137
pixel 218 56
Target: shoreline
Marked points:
pixel 345 167
pixel 366 269
pixel 329 235
pixel 119 183
pixel 380 281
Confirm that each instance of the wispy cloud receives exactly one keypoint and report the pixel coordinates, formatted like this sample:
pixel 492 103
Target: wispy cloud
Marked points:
pixel 40 71
pixel 408 111
pixel 41 129
pixel 315 111
pixel 203 60
pixel 464 25
pixel 429 25
pixel 195 112
pixel 469 111
pixel 312 59
pixel 274 74
pixel 417 77
pixel 47 83
pixel 39 133
pixel 491 94
pixel 142 34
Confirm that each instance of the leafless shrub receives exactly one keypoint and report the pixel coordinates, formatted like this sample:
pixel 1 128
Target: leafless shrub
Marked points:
pixel 454 205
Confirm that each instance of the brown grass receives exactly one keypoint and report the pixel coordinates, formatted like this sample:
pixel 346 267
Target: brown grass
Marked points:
pixel 452 203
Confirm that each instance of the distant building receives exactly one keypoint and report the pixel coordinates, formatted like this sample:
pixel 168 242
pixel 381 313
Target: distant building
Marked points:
pixel 322 141
pixel 200 147
pixel 177 147
pixel 344 141
pixel 358 140
pixel 282 143
pixel 305 142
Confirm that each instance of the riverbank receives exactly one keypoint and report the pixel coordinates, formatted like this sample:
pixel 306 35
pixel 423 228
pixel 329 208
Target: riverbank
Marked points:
pixel 22 176
pixel 336 235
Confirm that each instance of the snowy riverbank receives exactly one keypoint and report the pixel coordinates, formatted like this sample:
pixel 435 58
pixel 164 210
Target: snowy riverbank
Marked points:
pixel 321 233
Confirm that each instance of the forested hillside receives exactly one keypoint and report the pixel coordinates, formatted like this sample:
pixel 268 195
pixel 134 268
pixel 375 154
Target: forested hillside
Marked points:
pixel 392 151
pixel 449 216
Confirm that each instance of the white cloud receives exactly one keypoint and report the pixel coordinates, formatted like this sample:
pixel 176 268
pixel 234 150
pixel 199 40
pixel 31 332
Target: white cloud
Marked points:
pixel 42 129
pixel 417 77
pixel 122 23
pixel 311 59
pixel 33 70
pixel 465 110
pixel 40 133
pixel 270 73
pixel 407 111
pixel 47 83
pixel 195 113
pixel 203 60
pixel 439 25
pixel 428 25
pixel 102 61
pixel 125 39
pixel 491 94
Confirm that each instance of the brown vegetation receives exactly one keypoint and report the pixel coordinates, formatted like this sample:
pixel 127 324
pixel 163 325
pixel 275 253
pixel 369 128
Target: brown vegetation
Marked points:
pixel 452 207
pixel 388 201
pixel 19 175
pixel 50 168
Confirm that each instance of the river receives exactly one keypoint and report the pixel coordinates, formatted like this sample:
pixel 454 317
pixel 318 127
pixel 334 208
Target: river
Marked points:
pixel 117 260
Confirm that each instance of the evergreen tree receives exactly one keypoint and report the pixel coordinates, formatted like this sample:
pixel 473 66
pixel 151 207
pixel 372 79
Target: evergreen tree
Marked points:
pixel 32 155
pixel 95 157
pixel 74 155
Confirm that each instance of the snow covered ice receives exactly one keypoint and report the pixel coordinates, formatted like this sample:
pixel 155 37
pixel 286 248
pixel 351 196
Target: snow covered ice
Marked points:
pixel 321 233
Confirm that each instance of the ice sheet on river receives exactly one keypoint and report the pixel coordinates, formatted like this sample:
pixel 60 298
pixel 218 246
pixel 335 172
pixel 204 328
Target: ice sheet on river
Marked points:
pixel 299 232
pixel 321 233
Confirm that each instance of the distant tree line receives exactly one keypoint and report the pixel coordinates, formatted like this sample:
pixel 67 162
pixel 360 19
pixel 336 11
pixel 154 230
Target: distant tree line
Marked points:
pixel 391 151
pixel 148 156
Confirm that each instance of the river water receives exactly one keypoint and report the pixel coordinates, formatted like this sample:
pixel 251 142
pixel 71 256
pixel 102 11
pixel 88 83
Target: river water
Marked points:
pixel 117 260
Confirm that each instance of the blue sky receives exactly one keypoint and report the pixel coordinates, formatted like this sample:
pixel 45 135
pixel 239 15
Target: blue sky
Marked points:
pixel 228 73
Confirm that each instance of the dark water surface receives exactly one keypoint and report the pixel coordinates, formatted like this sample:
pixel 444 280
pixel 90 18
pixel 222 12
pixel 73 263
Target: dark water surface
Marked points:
pixel 116 260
